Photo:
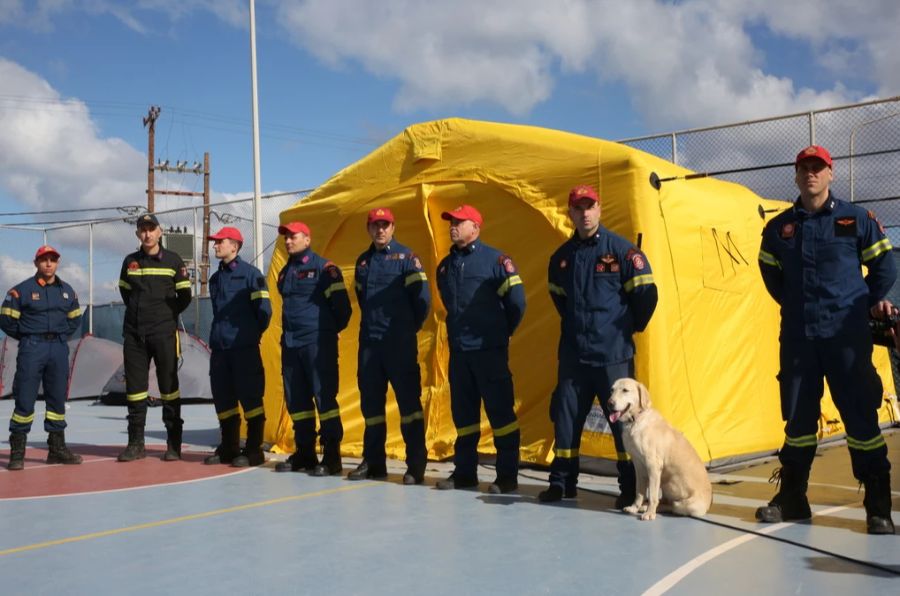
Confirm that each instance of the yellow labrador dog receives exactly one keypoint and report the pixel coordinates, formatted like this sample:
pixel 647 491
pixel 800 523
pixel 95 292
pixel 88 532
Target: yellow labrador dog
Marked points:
pixel 663 459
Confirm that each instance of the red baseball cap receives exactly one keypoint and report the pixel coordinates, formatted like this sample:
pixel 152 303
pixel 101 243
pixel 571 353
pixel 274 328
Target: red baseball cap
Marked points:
pixel 380 214
pixel 291 228
pixel 45 250
pixel 228 233
pixel 814 152
pixel 583 191
pixel 463 212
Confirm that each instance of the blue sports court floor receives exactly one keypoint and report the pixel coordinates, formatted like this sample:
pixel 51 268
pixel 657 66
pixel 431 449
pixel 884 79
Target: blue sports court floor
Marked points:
pixel 150 527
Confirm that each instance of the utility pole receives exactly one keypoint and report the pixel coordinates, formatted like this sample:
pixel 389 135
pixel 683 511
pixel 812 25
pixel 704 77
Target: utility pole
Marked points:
pixel 150 119
pixel 204 251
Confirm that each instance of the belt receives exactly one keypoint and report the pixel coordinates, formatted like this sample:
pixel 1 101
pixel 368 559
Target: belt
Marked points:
pixel 45 336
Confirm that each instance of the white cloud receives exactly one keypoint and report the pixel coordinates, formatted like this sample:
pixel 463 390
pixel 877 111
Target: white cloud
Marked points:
pixel 685 63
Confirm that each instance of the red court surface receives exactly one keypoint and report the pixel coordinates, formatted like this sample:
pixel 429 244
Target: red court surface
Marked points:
pixel 101 472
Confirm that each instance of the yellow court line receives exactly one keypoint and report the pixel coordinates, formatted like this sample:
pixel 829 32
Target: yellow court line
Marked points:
pixel 183 518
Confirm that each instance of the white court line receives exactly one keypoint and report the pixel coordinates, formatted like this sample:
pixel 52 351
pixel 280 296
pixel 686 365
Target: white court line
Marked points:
pixel 119 490
pixel 669 581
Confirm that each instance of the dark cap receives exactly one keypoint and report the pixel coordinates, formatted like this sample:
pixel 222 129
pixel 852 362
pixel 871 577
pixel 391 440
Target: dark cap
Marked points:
pixel 147 219
pixel 463 212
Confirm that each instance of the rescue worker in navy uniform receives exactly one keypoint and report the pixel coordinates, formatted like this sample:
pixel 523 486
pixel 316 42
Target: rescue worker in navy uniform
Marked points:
pixel 41 313
pixel 810 259
pixel 392 291
pixel 603 289
pixel 485 302
pixel 315 308
pixel 241 313
pixel 155 288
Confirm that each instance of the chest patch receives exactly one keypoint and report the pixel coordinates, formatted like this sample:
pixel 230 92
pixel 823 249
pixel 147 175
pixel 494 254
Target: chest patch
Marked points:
pixel 35 296
pixel 306 274
pixel 787 230
pixel 845 226
pixel 607 263
pixel 133 266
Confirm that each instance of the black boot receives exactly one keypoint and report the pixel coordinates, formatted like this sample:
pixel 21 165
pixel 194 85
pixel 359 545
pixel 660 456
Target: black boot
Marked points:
pixel 367 471
pixel 252 455
pixel 173 443
pixel 16 451
pixel 135 448
pixel 58 452
pixel 790 503
pixel 627 485
pixel 503 485
pixel 303 459
pixel 878 503
pixel 331 460
pixel 230 447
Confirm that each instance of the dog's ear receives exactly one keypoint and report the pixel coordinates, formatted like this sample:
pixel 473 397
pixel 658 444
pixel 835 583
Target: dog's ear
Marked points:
pixel 643 396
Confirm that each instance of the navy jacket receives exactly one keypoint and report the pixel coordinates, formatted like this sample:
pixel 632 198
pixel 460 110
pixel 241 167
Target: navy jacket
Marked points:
pixel 315 300
pixel 241 307
pixel 392 291
pixel 484 297
pixel 33 308
pixel 155 289
pixel 810 263
pixel 604 292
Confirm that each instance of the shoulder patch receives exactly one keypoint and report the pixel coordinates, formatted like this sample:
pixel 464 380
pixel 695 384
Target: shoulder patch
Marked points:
pixel 133 266
pixel 508 264
pixel 416 262
pixel 14 293
pixel 871 215
pixel 787 230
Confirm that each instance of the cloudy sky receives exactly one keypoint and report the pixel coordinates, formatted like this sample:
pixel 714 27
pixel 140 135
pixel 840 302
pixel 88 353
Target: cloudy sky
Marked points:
pixel 339 77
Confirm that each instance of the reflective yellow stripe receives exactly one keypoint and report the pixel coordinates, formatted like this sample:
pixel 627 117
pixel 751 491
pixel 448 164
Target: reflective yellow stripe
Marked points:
pixel 638 280
pixel 152 271
pixel 509 283
pixel 136 396
pixel 567 453
pixel 124 284
pixel 414 277
pixel 803 441
pixel 768 259
pixel 330 414
pixel 622 456
pixel 23 419
pixel 254 412
pixel 54 416
pixel 10 312
pixel 177 345
pixel 555 289
pixel 870 445
pixel 228 414
pixel 505 430
pixel 304 415
pixel 468 430
pixel 258 295
pixel 170 396
pixel 74 313
pixel 374 420
pixel 182 285
pixel 879 248
pixel 337 286
pixel 412 417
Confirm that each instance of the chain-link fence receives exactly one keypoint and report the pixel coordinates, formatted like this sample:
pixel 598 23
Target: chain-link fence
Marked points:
pixel 864 140
pixel 93 249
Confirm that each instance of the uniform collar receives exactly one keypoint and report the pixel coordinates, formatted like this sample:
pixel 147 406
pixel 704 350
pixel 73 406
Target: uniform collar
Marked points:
pixel 157 257
pixel 229 266
pixel 590 239
pixel 40 281
pixel 469 249
pixel 304 254
pixel 829 206
pixel 386 250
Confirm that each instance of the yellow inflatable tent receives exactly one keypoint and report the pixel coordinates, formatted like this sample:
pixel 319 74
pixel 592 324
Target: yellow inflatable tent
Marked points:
pixel 709 356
